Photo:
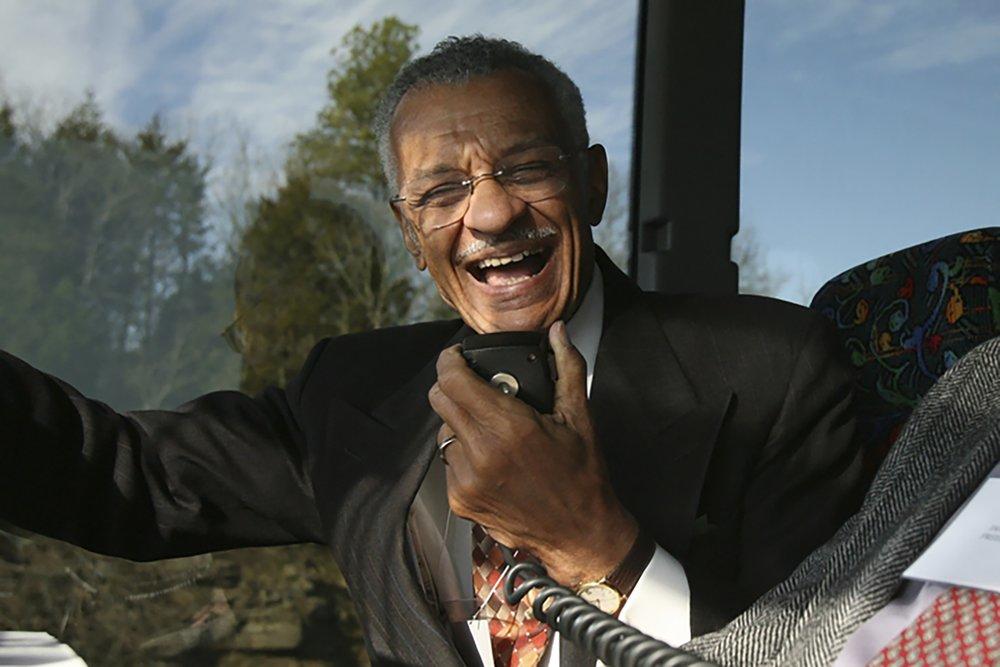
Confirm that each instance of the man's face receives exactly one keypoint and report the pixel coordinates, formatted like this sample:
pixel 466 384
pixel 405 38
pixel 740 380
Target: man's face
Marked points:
pixel 446 133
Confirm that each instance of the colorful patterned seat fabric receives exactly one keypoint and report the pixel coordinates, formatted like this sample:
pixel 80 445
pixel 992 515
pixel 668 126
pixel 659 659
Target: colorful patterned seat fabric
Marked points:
pixel 905 318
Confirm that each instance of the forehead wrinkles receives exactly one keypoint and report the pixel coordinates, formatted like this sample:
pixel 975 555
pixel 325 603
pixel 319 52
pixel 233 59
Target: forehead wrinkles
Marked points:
pixel 458 150
pixel 468 143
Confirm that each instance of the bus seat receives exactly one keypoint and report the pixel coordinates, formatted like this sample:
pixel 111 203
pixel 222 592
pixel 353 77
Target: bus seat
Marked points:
pixel 905 318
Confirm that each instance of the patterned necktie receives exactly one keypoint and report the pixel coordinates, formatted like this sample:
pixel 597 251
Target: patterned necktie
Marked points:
pixel 518 638
pixel 962 627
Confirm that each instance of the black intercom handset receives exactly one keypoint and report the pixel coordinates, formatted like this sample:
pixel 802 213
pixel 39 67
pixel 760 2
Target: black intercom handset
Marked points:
pixel 518 363
pixel 521 364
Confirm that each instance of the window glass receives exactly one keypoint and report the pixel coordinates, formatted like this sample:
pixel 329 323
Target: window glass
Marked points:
pixel 189 200
pixel 868 127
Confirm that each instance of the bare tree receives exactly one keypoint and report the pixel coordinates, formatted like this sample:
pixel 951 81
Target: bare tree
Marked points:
pixel 756 275
pixel 613 234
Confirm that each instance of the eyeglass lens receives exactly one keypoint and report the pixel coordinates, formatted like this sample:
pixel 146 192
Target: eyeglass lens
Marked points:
pixel 531 177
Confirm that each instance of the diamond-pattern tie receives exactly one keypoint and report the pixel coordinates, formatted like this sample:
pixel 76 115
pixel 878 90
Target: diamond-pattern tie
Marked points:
pixel 962 627
pixel 518 638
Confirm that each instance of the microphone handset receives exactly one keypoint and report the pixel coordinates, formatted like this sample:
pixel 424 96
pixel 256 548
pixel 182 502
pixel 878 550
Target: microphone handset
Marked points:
pixel 521 364
pixel 518 363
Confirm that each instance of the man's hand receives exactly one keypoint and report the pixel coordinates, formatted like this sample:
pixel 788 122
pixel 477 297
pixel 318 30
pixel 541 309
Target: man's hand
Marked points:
pixel 534 482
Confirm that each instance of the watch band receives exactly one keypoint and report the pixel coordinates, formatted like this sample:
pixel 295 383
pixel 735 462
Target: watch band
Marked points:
pixel 624 577
pixel 620 582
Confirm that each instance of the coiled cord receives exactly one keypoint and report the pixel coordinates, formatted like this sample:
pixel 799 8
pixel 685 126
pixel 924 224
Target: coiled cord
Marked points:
pixel 613 642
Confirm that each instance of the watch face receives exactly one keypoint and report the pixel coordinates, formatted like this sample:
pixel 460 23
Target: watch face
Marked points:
pixel 601 596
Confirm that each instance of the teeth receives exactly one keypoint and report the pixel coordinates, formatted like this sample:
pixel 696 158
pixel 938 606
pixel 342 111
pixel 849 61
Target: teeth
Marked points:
pixel 500 261
pixel 512 281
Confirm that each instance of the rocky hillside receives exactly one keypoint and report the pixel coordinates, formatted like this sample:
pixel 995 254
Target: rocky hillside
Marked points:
pixel 284 606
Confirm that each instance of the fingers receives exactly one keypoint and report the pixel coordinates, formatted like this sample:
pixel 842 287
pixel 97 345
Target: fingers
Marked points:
pixel 456 418
pixel 446 438
pixel 454 456
pixel 444 433
pixel 470 392
pixel 458 473
pixel 571 385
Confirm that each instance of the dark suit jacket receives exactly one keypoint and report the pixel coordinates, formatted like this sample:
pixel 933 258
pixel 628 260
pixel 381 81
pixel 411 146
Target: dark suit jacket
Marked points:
pixel 949 444
pixel 726 423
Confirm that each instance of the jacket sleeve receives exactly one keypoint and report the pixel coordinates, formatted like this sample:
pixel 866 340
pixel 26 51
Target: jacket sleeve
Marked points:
pixel 226 470
pixel 808 477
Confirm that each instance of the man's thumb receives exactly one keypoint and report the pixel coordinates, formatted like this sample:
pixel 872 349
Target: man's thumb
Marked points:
pixel 571 383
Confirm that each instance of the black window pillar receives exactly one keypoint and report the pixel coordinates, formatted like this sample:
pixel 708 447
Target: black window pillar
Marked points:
pixel 686 159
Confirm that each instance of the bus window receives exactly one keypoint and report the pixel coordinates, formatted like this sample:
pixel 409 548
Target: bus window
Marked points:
pixel 151 157
pixel 867 128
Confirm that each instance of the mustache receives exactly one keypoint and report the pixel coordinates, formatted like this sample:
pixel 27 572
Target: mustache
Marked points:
pixel 519 234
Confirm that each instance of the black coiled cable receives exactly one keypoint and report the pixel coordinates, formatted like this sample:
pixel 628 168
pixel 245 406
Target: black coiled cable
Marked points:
pixel 614 643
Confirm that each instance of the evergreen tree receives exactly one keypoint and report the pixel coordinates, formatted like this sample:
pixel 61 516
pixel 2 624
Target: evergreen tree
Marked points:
pixel 104 238
pixel 323 257
pixel 311 266
pixel 342 146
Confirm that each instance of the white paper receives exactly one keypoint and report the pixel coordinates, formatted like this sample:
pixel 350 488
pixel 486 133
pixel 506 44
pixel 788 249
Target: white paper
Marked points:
pixel 37 649
pixel 480 629
pixel 967 552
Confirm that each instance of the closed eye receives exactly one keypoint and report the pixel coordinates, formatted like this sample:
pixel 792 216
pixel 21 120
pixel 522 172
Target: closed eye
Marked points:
pixel 529 172
pixel 445 194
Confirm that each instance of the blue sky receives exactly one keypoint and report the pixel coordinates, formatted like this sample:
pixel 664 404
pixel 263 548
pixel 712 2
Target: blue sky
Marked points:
pixel 868 125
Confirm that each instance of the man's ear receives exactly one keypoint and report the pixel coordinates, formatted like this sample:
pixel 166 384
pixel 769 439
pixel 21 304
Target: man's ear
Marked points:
pixel 410 238
pixel 597 183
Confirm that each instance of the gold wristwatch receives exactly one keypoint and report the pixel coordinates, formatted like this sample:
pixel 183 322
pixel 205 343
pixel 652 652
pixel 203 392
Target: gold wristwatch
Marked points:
pixel 610 592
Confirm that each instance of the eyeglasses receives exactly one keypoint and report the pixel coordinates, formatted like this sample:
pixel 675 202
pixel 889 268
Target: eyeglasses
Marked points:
pixel 531 176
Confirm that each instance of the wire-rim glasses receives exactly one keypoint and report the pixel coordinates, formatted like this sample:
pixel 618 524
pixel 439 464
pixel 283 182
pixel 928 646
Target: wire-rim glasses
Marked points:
pixel 531 176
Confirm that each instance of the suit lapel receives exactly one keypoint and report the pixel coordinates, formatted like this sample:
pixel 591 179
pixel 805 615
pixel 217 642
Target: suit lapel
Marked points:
pixel 656 429
pixel 395 445
pixel 658 432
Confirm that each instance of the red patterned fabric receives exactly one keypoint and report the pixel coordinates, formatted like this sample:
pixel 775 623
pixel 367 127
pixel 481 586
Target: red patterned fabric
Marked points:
pixel 962 627
pixel 518 639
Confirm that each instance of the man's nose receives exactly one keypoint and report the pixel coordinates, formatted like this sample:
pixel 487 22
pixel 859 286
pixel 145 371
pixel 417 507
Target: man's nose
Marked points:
pixel 491 209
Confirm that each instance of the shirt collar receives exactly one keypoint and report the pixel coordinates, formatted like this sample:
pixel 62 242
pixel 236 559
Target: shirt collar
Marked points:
pixel 586 325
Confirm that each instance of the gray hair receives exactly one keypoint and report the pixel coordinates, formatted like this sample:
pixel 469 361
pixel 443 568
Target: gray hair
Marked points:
pixel 455 60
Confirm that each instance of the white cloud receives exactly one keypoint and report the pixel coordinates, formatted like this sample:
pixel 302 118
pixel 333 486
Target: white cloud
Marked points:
pixel 798 21
pixel 876 16
pixel 267 66
pixel 58 50
pixel 894 35
pixel 804 19
pixel 957 44
pixel 261 66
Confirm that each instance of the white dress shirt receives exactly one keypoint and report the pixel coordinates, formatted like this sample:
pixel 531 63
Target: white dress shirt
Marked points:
pixel 659 605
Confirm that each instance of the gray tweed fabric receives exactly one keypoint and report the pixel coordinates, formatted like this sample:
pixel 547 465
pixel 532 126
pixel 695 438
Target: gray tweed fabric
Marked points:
pixel 947 447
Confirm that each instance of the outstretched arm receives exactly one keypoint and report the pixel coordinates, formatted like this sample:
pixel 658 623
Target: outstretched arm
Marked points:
pixel 223 471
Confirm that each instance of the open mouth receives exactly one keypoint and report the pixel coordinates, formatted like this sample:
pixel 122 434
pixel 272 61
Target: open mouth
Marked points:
pixel 510 269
